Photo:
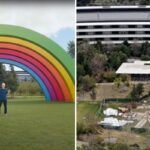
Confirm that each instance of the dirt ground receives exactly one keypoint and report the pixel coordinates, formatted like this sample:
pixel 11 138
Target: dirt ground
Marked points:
pixel 121 137
pixel 125 137
pixel 109 90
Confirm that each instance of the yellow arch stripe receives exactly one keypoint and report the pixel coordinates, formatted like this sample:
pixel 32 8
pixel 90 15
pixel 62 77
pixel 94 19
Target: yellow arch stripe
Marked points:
pixel 48 56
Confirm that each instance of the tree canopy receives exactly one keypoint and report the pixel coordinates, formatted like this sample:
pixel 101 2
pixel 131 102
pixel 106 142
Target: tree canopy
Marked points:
pixel 100 62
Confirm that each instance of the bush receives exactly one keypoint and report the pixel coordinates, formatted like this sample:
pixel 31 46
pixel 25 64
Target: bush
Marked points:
pixel 88 83
pixel 28 89
pixel 145 57
pixel 118 82
pixel 85 128
pixel 137 92
pixel 81 129
pixel 118 146
pixel 148 148
pixel 124 77
pixel 109 76
pixel 135 147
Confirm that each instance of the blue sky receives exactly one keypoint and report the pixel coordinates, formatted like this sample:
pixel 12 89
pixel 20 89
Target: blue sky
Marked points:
pixel 63 37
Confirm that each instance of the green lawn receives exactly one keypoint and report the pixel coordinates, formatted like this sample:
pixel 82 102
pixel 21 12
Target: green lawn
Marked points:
pixel 33 124
pixel 86 108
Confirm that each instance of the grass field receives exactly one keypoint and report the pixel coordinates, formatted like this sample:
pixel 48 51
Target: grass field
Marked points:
pixel 86 108
pixel 33 124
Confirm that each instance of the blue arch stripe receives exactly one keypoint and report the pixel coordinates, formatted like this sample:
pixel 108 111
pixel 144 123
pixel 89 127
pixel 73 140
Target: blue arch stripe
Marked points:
pixel 32 73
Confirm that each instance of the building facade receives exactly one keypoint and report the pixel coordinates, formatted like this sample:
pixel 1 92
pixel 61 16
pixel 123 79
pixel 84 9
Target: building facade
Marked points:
pixel 114 24
pixel 23 76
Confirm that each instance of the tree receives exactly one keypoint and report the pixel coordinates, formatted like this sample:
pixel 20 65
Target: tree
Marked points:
pixel 137 91
pixel 144 2
pixel 125 49
pixel 9 77
pixel 126 43
pixel 80 70
pixel 88 83
pixel 71 49
pixel 98 47
pixel 85 53
pixel 140 89
pixel 116 58
pixel 2 73
pixel 136 49
pixel 11 80
pixel 145 49
pixel 80 74
pixel 97 65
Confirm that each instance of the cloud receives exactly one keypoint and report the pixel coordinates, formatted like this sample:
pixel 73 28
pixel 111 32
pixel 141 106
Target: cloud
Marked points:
pixel 46 18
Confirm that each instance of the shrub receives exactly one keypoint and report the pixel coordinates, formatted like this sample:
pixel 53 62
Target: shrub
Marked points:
pixel 85 128
pixel 124 77
pixel 81 129
pixel 148 148
pixel 88 83
pixel 118 82
pixel 137 91
pixel 109 76
pixel 145 57
pixel 119 146
pixel 29 89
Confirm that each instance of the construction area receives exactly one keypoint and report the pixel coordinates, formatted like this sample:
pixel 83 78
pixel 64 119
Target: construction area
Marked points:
pixel 119 121
pixel 119 118
pixel 123 122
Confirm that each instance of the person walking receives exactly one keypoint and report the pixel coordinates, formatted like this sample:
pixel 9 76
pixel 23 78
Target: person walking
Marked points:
pixel 3 97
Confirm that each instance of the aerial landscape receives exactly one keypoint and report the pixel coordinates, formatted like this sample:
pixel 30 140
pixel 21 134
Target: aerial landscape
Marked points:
pixel 113 75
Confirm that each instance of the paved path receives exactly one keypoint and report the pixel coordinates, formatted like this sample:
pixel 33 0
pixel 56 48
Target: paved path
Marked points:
pixel 143 121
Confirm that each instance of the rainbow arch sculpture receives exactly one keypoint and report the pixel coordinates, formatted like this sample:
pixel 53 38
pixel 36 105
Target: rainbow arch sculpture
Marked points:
pixel 46 61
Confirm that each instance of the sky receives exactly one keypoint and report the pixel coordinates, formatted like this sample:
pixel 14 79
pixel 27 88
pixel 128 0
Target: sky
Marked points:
pixel 56 20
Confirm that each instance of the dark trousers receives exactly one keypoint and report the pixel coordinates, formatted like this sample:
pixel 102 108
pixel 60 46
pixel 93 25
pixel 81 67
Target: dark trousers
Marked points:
pixel 4 102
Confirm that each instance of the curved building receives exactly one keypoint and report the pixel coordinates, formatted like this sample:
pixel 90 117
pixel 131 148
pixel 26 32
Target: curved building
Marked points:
pixel 113 24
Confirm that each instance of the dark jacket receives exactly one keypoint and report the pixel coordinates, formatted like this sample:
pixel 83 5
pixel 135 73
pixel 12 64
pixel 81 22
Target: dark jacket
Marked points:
pixel 3 94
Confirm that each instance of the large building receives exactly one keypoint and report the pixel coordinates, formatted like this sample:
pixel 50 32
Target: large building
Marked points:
pixel 113 24
pixel 23 76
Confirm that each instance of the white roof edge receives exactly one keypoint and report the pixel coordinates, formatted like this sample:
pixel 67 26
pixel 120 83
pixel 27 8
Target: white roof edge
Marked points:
pixel 114 6
pixel 137 67
pixel 113 23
